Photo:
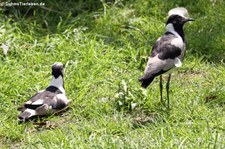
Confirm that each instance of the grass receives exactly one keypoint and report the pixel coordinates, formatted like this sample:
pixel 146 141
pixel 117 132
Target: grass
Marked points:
pixel 104 46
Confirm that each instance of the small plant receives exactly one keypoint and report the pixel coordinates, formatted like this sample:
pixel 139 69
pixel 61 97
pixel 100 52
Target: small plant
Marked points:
pixel 129 97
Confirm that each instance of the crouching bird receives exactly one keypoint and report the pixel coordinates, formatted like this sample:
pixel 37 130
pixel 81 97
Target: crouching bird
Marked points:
pixel 168 51
pixel 49 101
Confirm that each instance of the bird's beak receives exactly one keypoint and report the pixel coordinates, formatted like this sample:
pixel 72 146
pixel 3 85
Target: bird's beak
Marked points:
pixel 189 19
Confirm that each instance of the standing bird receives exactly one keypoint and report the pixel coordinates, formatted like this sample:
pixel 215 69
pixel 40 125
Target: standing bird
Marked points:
pixel 168 51
pixel 48 101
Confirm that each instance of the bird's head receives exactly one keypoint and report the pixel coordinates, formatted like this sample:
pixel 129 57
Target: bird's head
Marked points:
pixel 178 20
pixel 178 17
pixel 57 69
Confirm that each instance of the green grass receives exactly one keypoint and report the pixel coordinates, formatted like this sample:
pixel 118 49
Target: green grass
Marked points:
pixel 104 46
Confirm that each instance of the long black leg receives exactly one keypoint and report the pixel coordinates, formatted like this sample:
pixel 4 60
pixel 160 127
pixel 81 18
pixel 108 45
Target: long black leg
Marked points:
pixel 161 88
pixel 167 90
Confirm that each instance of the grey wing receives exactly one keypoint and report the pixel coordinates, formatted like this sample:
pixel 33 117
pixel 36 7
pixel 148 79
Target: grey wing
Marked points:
pixel 31 100
pixel 162 59
pixel 34 107
pixel 43 104
pixel 35 97
pixel 39 99
pixel 158 46
pixel 52 100
pixel 156 66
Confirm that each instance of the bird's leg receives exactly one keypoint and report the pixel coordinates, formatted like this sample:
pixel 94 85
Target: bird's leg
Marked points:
pixel 161 88
pixel 167 90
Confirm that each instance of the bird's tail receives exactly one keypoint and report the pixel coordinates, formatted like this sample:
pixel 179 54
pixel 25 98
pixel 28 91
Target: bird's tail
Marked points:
pixel 32 113
pixel 26 114
pixel 145 81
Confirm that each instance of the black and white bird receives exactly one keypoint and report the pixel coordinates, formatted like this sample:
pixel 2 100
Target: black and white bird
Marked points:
pixel 168 51
pixel 51 100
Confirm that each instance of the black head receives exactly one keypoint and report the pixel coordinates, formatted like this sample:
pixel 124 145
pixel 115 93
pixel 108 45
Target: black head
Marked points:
pixel 57 69
pixel 178 20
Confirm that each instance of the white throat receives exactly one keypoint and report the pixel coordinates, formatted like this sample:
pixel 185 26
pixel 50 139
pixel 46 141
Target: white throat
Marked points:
pixel 58 83
pixel 170 28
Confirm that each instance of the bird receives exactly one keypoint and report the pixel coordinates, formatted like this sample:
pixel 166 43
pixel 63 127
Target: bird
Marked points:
pixel 48 101
pixel 168 51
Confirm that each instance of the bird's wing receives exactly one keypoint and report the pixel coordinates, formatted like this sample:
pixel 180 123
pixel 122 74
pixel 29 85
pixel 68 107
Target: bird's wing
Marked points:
pixel 35 97
pixel 44 103
pixel 44 95
pixel 166 46
pixel 54 101
pixel 39 99
pixel 163 57
pixel 29 109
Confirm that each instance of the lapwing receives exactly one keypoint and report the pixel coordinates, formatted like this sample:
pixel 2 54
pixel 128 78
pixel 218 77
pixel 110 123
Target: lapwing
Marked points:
pixel 49 101
pixel 168 51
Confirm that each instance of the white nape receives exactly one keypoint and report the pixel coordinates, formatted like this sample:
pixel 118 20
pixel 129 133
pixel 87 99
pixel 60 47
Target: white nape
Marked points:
pixel 58 82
